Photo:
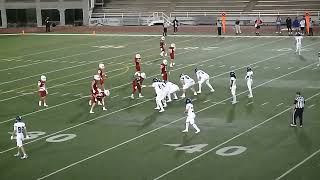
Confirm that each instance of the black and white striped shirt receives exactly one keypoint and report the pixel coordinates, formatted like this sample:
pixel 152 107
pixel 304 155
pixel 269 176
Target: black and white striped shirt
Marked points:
pixel 299 102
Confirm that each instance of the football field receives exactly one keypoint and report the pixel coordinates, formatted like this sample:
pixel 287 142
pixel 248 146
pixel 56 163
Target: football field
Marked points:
pixel 131 141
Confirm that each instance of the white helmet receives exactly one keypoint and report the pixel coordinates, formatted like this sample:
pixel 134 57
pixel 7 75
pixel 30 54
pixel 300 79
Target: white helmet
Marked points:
pixel 163 38
pixel 96 77
pixel 43 78
pixel 107 92
pixel 101 66
pixel 165 62
pixel 143 75
pixel 138 56
pixel 173 45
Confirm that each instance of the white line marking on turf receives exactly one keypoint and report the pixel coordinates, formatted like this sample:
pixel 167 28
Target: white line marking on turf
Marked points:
pixel 315 68
pixel 91 62
pixel 53 93
pixel 211 65
pixel 290 68
pixel 222 66
pixel 250 103
pixel 114 96
pixel 311 106
pixel 156 129
pixel 279 104
pixel 78 95
pixel 150 35
pixel 278 67
pixel 89 96
pixel 234 137
pixel 206 100
pixel 265 103
pixel 65 94
pixel 299 164
pixel 85 122
pixel 266 67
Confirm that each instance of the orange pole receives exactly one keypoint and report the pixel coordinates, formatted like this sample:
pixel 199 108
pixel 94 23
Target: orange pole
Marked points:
pixel 307 16
pixel 223 19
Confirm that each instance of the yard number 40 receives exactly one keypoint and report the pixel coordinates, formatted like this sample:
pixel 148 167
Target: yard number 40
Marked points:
pixel 225 151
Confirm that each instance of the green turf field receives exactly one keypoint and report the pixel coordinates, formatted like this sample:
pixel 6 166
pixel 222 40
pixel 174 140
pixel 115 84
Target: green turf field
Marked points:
pixel 131 141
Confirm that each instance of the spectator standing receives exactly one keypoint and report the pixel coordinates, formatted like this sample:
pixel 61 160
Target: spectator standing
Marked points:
pixel 302 25
pixel 219 26
pixel 237 27
pixel 296 25
pixel 47 22
pixel 289 25
pixel 311 28
pixel 165 28
pixel 175 23
pixel 257 25
pixel 278 25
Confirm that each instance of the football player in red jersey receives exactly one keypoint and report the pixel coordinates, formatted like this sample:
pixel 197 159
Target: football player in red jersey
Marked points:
pixel 163 68
pixel 99 97
pixel 102 75
pixel 94 92
pixel 43 92
pixel 137 84
pixel 137 61
pixel 172 50
pixel 163 47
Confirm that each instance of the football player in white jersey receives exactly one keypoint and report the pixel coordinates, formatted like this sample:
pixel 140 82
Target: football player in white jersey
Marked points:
pixel 187 83
pixel 249 77
pixel 298 37
pixel 233 86
pixel 20 131
pixel 190 116
pixel 159 89
pixel 173 88
pixel 203 77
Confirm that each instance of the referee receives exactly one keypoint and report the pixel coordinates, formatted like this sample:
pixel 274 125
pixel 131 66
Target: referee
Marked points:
pixel 298 107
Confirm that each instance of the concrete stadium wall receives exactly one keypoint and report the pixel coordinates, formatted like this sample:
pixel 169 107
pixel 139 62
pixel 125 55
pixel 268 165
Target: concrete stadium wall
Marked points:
pixel 60 5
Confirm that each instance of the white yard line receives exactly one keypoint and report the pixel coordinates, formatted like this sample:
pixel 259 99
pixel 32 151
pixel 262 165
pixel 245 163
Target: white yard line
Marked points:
pixel 312 105
pixel 234 137
pixel 114 96
pixel 211 65
pixel 65 94
pixel 290 68
pixel 265 103
pixel 68 101
pixel 250 103
pixel 279 104
pixel 51 50
pixel 163 126
pixel 297 165
pixel 71 67
pixel 207 100
pixel 278 67
pixel 150 35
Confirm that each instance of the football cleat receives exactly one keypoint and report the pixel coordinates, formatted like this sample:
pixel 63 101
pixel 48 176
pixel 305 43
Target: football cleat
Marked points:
pixel 104 109
pixel 185 131
pixel 138 56
pixel 101 66
pixel 24 157
pixel 162 110
pixel 197 131
pixel 163 38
